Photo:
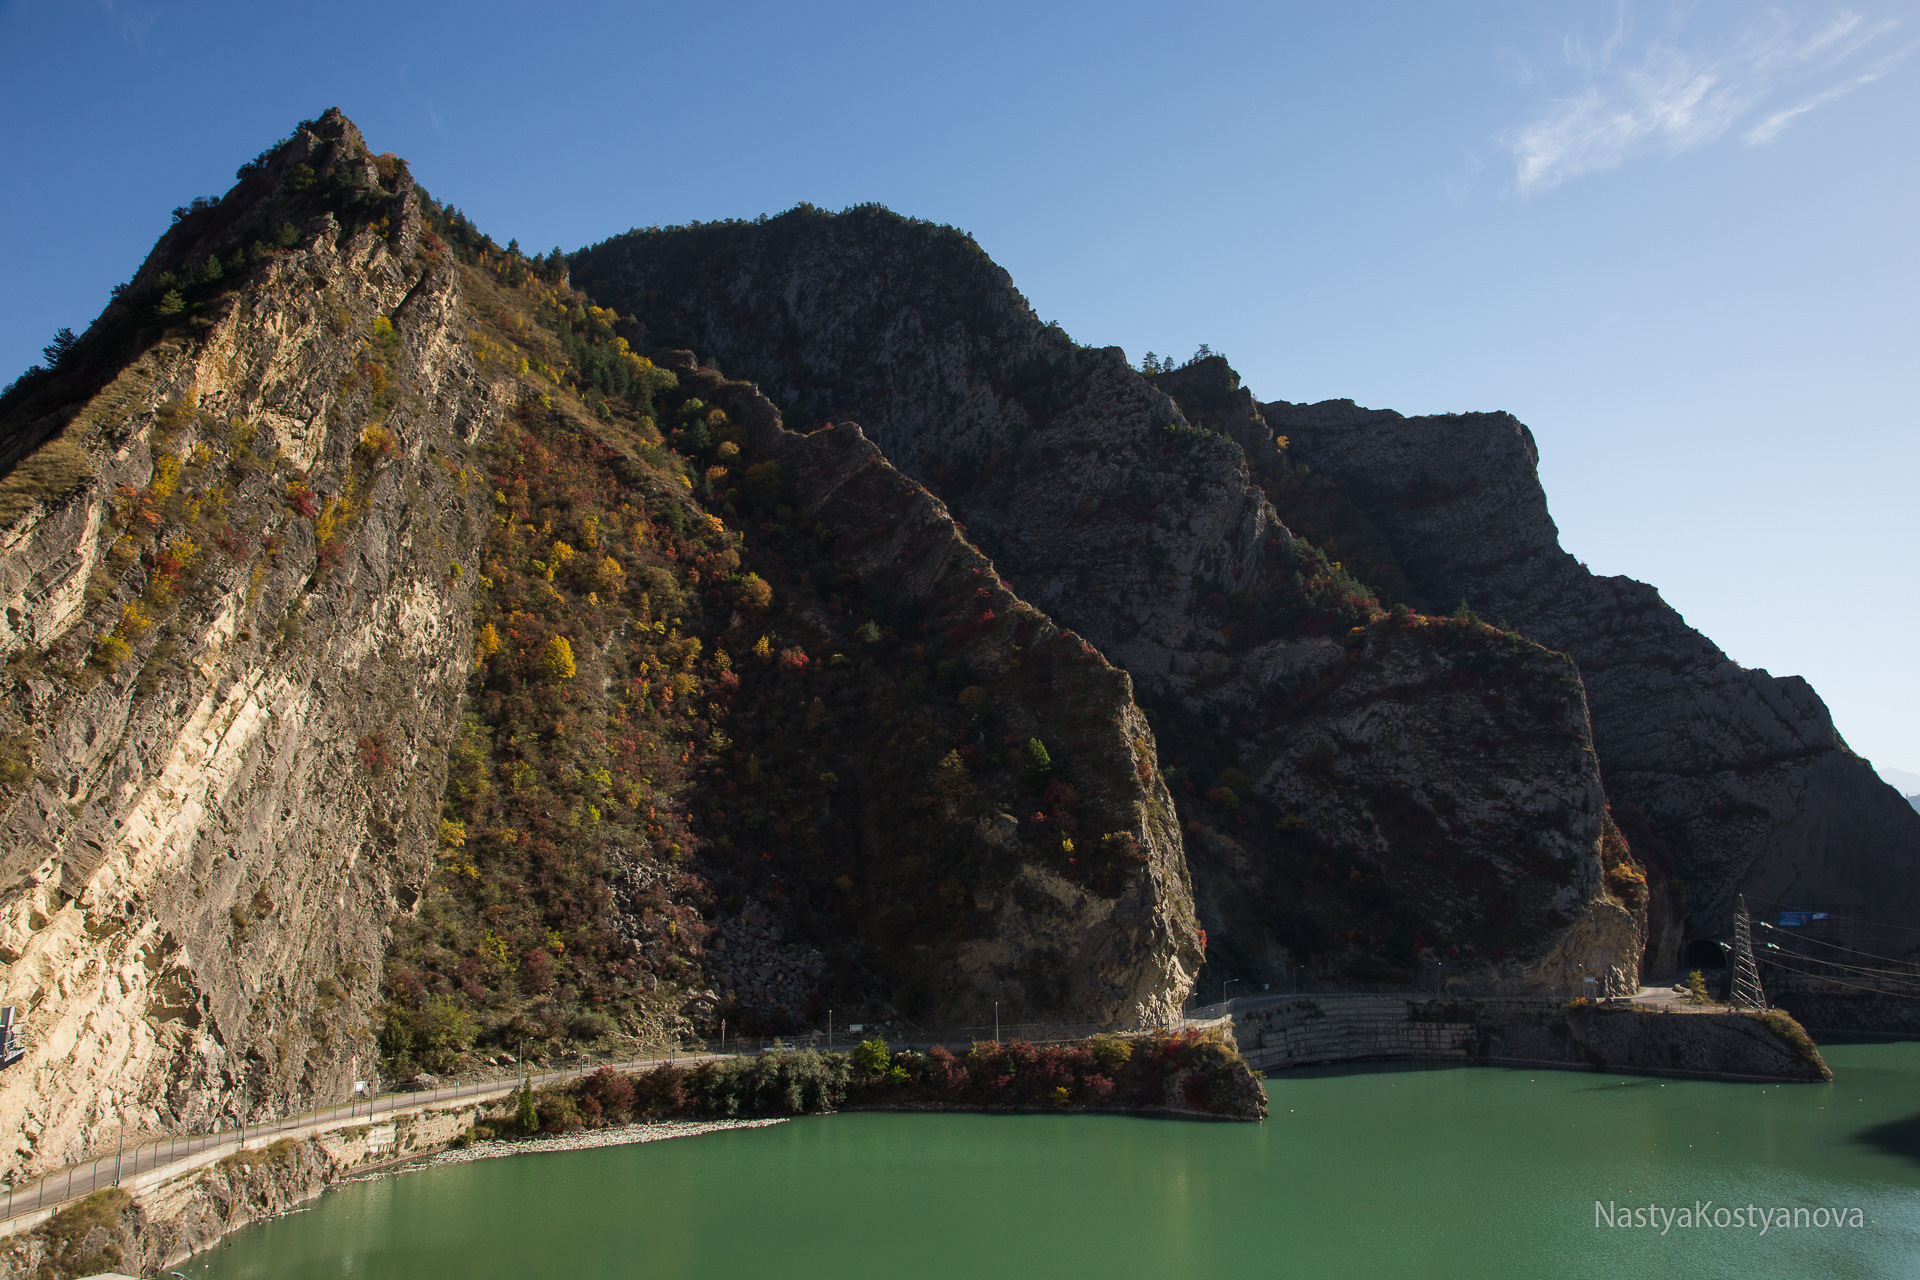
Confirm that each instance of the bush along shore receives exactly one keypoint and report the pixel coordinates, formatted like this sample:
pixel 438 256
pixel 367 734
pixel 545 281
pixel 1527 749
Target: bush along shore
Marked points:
pixel 1192 1074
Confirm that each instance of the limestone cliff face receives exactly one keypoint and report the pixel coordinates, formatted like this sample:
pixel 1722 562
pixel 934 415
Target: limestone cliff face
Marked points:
pixel 1051 942
pixel 1738 774
pixel 234 649
pixel 1145 529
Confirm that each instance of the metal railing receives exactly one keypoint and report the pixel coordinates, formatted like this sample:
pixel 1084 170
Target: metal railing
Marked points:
pixel 908 1036
pixel 1265 999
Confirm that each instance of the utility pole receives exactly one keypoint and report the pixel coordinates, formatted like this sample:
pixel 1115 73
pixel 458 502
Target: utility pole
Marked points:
pixel 1744 991
pixel 996 1022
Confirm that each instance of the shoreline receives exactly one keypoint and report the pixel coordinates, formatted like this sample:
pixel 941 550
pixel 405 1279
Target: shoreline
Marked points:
pixel 170 1222
pixel 586 1140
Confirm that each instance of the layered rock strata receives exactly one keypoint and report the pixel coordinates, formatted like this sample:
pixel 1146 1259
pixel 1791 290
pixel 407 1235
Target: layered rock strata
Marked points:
pixel 236 647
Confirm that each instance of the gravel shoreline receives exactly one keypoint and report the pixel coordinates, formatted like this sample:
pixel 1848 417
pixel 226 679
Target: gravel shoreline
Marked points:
pixel 587 1139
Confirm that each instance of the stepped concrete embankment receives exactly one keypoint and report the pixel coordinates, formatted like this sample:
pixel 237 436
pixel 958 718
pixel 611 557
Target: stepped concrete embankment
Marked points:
pixel 1293 1031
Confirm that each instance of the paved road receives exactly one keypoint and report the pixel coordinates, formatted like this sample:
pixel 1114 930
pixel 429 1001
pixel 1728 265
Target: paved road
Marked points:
pixel 113 1167
pixel 1671 1001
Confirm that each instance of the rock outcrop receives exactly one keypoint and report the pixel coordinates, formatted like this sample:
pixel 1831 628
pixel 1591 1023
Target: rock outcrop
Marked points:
pixel 1730 780
pixel 234 655
pixel 1097 929
pixel 1059 461
pixel 247 520
pixel 1371 755
pixel 1578 1036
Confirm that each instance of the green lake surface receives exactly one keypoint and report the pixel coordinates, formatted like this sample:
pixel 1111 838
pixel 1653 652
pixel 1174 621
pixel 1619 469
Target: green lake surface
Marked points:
pixel 1384 1170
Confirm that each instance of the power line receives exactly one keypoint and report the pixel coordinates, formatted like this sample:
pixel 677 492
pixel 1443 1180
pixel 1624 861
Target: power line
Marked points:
pixel 1878 991
pixel 1906 974
pixel 1835 945
pixel 1859 920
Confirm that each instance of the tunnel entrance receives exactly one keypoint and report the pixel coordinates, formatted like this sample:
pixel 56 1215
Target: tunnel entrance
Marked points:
pixel 1703 954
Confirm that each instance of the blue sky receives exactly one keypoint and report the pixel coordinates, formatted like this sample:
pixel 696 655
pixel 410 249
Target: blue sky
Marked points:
pixel 1679 240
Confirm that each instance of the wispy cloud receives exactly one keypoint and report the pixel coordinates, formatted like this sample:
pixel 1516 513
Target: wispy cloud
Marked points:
pixel 1671 93
pixel 134 26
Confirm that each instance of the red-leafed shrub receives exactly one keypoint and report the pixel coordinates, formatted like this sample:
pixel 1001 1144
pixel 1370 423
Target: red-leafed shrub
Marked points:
pixel 375 758
pixel 536 972
pixel 230 541
pixel 607 1093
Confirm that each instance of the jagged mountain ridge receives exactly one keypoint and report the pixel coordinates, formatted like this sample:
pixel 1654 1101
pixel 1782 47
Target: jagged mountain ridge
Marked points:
pixel 1044 451
pixel 279 562
pixel 1739 778
pixel 758 725
pixel 1354 828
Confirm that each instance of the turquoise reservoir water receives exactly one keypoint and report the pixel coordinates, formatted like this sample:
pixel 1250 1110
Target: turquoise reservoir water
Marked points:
pixel 1384 1171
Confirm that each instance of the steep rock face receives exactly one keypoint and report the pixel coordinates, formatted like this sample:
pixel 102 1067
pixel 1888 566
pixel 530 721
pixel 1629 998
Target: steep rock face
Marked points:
pixel 1058 460
pixel 723 760
pixel 1437 775
pixel 1100 500
pixel 1737 776
pixel 1054 940
pixel 235 650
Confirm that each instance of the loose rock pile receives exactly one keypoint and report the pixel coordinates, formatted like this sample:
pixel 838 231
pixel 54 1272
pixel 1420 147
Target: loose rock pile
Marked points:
pixel 750 967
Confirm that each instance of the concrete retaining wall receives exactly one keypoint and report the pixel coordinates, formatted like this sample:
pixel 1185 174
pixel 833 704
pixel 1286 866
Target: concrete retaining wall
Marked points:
pixel 1303 1030
pixel 1851 1012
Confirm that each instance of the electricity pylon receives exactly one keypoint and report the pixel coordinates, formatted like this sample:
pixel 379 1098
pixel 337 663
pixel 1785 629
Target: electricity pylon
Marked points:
pixel 1745 991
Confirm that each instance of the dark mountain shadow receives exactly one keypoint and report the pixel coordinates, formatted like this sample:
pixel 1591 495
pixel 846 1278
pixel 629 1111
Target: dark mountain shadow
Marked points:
pixel 1895 1137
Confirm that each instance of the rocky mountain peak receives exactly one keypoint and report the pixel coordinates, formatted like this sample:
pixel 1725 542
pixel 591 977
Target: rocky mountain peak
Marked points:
pixel 1738 774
